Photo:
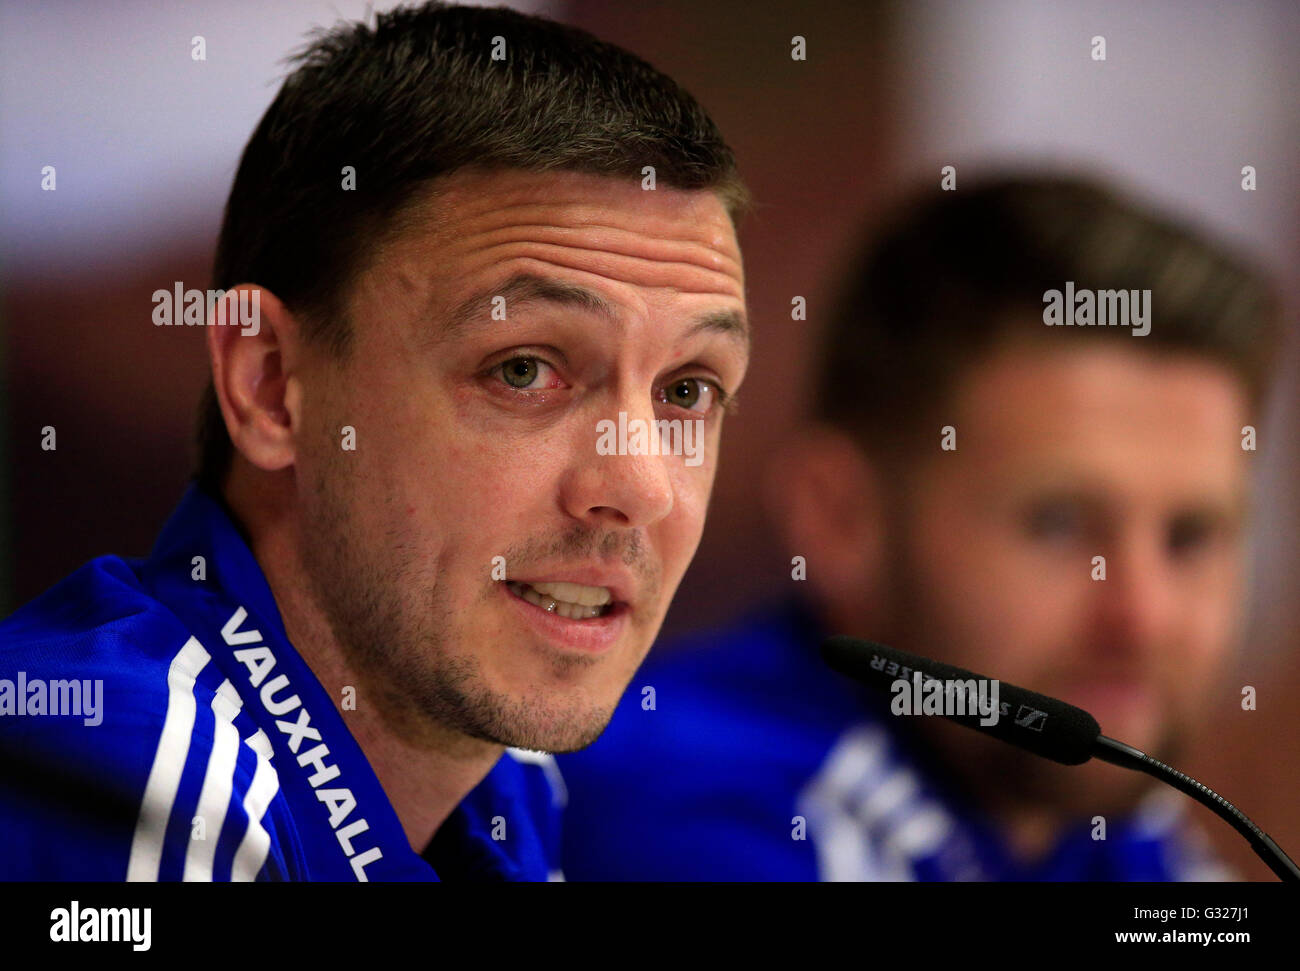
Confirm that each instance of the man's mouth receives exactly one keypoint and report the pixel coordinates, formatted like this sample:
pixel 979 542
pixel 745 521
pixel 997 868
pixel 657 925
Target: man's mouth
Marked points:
pixel 572 600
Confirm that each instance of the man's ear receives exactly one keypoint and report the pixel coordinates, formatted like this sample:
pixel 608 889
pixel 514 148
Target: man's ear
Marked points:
pixel 825 497
pixel 252 343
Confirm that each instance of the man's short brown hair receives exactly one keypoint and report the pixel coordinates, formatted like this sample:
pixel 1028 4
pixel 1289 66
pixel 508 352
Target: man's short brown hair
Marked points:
pixel 955 273
pixel 426 91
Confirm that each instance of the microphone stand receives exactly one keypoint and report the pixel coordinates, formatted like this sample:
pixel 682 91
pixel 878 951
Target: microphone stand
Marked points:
pixel 1117 753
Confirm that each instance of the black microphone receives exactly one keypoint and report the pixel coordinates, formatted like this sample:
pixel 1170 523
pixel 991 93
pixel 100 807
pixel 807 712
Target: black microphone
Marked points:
pixel 1034 722
pixel 1028 720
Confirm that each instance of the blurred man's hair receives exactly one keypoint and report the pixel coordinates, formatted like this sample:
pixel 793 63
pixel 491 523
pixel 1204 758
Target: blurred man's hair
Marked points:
pixel 956 274
pixel 415 97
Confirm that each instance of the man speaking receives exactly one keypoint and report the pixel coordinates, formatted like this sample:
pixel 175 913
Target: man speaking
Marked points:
pixel 473 239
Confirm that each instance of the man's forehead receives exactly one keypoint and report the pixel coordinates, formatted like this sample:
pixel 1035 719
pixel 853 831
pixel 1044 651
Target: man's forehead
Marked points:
pixel 1048 389
pixel 522 289
pixel 1099 420
pixel 479 239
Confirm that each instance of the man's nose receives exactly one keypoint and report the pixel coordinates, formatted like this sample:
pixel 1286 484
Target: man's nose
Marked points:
pixel 1137 603
pixel 621 489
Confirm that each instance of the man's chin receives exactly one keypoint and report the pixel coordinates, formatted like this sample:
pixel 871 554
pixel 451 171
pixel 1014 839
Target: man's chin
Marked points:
pixel 544 708
pixel 554 742
pixel 555 727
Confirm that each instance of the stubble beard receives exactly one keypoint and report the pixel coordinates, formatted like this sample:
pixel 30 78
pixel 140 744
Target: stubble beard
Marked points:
pixel 402 645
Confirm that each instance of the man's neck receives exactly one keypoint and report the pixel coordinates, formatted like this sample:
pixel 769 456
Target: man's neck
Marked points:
pixel 1030 833
pixel 424 773
pixel 424 779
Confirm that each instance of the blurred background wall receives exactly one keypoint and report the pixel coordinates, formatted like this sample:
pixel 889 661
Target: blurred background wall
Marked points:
pixel 145 141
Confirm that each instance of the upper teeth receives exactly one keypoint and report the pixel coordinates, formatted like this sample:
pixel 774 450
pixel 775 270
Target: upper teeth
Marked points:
pixel 574 593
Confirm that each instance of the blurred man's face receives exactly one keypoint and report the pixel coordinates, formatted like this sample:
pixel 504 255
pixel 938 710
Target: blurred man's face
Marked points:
pixel 1064 455
pixel 477 439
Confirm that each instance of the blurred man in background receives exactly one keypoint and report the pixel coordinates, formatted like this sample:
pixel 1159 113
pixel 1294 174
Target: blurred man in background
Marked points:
pixel 981 440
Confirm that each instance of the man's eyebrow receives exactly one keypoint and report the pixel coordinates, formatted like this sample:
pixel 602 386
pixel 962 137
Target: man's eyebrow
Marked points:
pixel 730 323
pixel 476 310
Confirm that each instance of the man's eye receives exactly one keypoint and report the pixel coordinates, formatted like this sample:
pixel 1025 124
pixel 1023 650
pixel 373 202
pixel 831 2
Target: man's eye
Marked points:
pixel 693 394
pixel 522 372
pixel 1187 534
pixel 1054 521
